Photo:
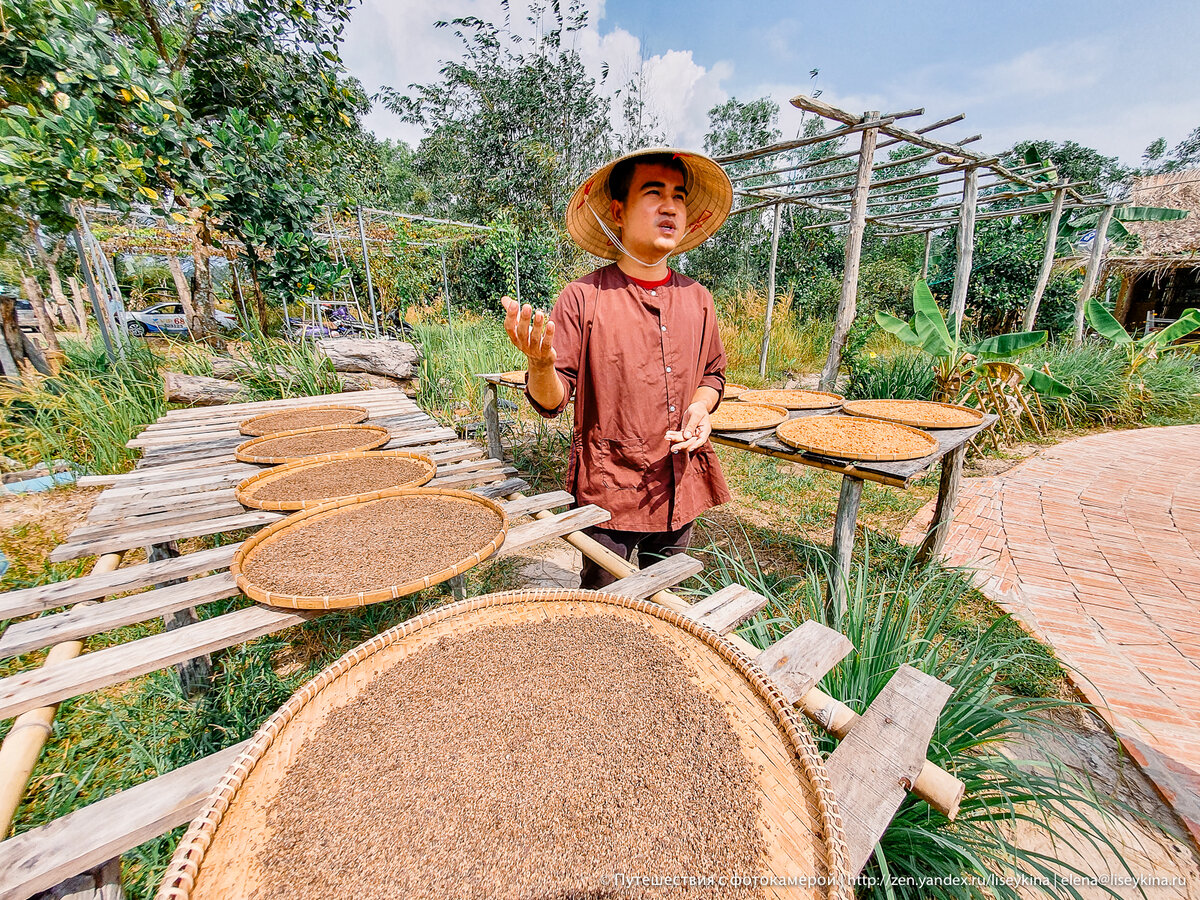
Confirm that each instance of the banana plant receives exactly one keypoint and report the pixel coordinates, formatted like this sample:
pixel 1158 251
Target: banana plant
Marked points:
pixel 1140 351
pixel 957 364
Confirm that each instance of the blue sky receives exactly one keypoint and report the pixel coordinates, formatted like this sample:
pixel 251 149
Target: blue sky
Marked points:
pixel 1111 75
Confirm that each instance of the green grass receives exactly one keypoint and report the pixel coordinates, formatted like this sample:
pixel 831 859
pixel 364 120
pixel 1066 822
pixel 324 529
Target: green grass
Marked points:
pixel 451 357
pixel 902 375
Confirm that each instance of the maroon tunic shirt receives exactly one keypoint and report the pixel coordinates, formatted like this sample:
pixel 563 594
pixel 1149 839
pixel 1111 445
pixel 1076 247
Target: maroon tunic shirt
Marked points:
pixel 633 359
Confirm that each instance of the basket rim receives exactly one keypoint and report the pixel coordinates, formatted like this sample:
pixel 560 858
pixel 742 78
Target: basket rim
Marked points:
pixel 853 407
pixel 829 395
pixel 781 410
pixel 245 496
pixel 245 423
pixel 874 457
pixel 361 598
pixel 180 877
pixel 243 450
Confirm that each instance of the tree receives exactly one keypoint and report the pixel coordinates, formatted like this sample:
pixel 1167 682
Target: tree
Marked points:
pixel 508 132
pixel 1074 162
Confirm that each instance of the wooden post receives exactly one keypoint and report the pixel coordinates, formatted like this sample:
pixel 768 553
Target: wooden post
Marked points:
pixel 925 259
pixel 1093 272
pixel 943 511
pixel 19 346
pixel 80 306
pixel 362 236
pixel 184 290
pixel 491 419
pixel 446 291
pixel 45 323
pixel 101 311
pixel 848 302
pixel 966 247
pixel 1035 301
pixel 195 675
pixel 1124 297
pixel 843 542
pixel 766 341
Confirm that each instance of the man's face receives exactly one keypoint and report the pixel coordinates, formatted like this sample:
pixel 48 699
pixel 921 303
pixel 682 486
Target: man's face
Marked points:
pixel 654 217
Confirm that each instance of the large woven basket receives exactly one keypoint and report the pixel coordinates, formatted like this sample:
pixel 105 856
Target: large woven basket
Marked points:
pixel 262 540
pixel 245 492
pixel 789 433
pixel 915 413
pixel 373 436
pixel 798 818
pixel 257 426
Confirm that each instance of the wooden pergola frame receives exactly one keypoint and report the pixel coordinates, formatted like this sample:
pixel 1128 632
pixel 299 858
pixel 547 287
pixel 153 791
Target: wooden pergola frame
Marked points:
pixel 982 188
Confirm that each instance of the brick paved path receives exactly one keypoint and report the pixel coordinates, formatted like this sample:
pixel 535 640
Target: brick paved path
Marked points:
pixel 1095 546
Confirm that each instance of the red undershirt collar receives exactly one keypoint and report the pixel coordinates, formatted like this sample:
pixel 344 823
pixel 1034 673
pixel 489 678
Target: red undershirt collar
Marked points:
pixel 649 285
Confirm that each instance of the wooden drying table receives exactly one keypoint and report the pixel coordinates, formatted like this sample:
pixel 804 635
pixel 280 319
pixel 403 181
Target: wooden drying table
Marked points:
pixel 952 443
pixel 183 488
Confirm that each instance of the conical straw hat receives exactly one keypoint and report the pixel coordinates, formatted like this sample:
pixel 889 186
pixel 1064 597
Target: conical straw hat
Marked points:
pixel 710 197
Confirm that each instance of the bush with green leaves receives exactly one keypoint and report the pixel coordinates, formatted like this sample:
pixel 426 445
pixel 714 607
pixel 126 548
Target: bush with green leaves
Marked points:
pixel 898 376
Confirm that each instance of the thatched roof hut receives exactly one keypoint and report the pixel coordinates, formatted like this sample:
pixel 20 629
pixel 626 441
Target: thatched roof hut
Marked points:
pixel 1162 277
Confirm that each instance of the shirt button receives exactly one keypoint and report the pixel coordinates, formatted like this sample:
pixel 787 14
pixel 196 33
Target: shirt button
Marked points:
pixel 664 328
pixel 668 368
pixel 654 293
pixel 672 409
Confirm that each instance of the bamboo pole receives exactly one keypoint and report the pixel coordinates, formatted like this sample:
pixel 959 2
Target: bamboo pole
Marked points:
pixel 1039 289
pixel 1093 272
pixel 966 248
pixel 362 235
pixel 925 258
pixel 848 302
pixel 24 742
pixel 766 341
pixel 934 785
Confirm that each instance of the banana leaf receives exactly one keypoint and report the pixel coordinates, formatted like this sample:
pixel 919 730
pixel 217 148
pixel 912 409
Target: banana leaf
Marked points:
pixel 1148 214
pixel 929 323
pixel 897 328
pixel 1046 385
pixel 1184 325
pixel 1102 320
pixel 1003 346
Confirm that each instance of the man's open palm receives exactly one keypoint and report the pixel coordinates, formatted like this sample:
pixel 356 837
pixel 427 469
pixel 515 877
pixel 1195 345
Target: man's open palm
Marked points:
pixel 531 333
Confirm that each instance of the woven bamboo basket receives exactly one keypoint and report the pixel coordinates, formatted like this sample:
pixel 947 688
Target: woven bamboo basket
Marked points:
pixel 795 399
pixel 798 816
pixel 734 391
pixel 257 426
pixel 791 433
pixel 245 492
pixel 261 541
pixel 917 413
pixel 515 377
pixel 373 436
pixel 769 417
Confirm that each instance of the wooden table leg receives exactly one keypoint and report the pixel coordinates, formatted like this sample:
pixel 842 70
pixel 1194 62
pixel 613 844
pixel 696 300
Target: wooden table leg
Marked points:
pixel 843 542
pixel 943 511
pixel 491 420
pixel 195 675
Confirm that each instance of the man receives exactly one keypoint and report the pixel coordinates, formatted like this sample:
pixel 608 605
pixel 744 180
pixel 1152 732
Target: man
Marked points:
pixel 637 345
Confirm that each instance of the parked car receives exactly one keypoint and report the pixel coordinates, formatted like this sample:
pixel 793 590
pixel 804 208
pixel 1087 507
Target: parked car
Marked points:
pixel 165 318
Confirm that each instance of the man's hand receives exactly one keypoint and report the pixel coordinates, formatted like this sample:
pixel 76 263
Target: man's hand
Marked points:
pixel 695 429
pixel 531 332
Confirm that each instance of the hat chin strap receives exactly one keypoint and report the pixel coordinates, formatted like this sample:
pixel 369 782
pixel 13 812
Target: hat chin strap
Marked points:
pixel 617 241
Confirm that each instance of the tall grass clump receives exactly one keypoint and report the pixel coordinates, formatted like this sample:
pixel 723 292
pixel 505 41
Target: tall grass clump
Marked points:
pixel 272 369
pixel 1103 390
pixel 452 355
pixel 797 344
pixel 904 618
pixel 899 376
pixel 86 413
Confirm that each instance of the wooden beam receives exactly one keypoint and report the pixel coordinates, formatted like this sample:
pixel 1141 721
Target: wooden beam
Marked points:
pixel 844 527
pixel 1095 261
pixel 966 248
pixel 876 765
pixel 40 858
pixel 939 530
pixel 798 660
pixel 848 301
pixel 727 608
pixel 543 529
pixel 659 576
pixel 1031 310
pixel 766 341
